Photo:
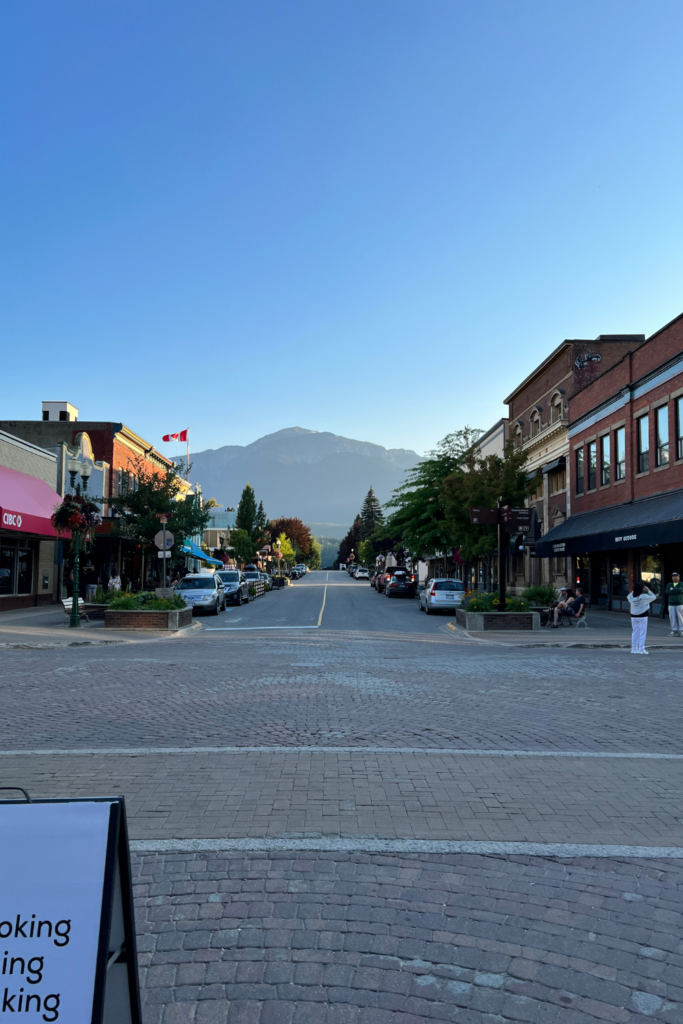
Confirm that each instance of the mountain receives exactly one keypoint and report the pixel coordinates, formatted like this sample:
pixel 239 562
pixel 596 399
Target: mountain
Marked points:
pixel 316 475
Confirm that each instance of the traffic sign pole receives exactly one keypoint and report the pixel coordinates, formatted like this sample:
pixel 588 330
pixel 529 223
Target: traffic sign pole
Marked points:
pixel 502 552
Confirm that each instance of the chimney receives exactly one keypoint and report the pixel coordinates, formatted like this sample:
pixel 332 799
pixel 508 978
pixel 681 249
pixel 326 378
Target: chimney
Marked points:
pixel 59 411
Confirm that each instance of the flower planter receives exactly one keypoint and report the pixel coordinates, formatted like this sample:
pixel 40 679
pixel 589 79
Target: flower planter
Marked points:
pixel 178 618
pixel 480 622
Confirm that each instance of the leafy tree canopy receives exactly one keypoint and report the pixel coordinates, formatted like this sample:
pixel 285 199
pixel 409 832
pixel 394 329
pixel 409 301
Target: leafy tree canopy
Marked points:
pixel 242 545
pixel 296 531
pixel 315 557
pixel 159 493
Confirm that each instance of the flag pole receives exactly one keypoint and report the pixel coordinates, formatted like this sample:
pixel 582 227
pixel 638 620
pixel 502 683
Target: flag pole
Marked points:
pixel 187 464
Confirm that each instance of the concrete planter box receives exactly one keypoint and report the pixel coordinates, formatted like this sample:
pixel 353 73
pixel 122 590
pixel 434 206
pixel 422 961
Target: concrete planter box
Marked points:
pixel 480 622
pixel 176 619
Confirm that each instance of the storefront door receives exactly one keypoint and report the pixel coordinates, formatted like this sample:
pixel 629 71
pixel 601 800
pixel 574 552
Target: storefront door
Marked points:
pixel 652 574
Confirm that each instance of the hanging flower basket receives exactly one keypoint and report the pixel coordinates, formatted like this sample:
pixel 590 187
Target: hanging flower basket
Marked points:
pixel 75 513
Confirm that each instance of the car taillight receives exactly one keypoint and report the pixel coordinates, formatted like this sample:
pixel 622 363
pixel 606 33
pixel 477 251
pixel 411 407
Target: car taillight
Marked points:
pixel 393 583
pixel 433 590
pixel 412 579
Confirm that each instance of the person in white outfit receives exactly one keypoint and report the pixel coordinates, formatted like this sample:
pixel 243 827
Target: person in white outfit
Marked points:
pixel 640 599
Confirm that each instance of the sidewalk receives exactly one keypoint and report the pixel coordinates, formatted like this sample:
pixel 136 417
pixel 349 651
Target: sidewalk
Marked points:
pixel 603 629
pixel 48 627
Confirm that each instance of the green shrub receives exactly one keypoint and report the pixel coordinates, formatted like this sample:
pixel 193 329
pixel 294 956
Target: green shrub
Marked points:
pixel 100 596
pixel 484 602
pixel 145 600
pixel 123 603
pixel 540 595
pixel 252 591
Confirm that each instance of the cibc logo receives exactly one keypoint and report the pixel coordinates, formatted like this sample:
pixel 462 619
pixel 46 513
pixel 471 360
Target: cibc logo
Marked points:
pixel 11 519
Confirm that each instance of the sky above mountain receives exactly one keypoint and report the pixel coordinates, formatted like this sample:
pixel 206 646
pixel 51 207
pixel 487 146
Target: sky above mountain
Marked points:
pixel 378 214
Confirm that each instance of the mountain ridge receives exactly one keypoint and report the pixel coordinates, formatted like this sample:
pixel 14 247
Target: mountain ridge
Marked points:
pixel 317 475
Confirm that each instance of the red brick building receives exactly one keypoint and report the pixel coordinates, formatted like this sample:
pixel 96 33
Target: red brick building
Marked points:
pixel 625 474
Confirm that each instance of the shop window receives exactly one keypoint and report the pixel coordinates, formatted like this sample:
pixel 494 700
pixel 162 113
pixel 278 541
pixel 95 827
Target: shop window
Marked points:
pixel 592 465
pixel 643 427
pixel 8 557
pixel 560 567
pixel 620 453
pixel 605 461
pixel 24 571
pixel 620 587
pixel 662 435
pixel 558 480
pixel 679 428
pixel 651 571
pixel 579 471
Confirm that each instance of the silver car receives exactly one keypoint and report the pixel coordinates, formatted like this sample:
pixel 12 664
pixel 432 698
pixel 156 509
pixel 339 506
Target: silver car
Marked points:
pixel 203 591
pixel 236 586
pixel 437 594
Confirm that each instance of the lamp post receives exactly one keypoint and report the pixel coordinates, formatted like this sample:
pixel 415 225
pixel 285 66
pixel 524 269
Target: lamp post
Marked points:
pixel 279 556
pixel 83 469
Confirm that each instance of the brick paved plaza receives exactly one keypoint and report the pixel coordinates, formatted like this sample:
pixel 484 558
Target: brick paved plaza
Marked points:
pixel 322 818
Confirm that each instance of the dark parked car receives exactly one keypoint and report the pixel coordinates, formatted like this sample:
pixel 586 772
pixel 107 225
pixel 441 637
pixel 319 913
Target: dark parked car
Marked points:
pixel 236 586
pixel 401 583
pixel 386 575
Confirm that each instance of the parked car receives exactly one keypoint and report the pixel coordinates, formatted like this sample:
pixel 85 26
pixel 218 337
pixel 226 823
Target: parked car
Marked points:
pixel 374 576
pixel 268 580
pixel 236 586
pixel 252 576
pixel 386 575
pixel 401 583
pixel 438 594
pixel 301 569
pixel 203 591
pixel 295 574
pixel 361 574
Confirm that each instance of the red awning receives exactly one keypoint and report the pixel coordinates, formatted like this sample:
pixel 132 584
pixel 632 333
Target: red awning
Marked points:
pixel 26 503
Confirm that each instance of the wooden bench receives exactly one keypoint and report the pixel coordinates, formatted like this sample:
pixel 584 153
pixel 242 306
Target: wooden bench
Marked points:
pixel 67 603
pixel 575 620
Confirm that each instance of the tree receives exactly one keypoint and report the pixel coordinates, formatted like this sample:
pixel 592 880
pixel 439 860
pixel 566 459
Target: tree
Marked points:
pixel 286 548
pixel 371 514
pixel 247 512
pixel 351 542
pixel 261 518
pixel 296 531
pixel 482 483
pixel 366 553
pixel 315 557
pixel 242 546
pixel 419 518
pixel 159 493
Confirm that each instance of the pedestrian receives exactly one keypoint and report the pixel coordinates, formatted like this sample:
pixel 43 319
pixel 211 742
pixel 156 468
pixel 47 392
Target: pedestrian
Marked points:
pixel 115 581
pixel 674 593
pixel 640 599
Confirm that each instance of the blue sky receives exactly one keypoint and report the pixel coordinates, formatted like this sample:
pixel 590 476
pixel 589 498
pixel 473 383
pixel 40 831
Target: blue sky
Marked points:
pixel 372 217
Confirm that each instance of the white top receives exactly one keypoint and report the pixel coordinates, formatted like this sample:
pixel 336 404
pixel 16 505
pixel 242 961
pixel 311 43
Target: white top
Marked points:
pixel 639 605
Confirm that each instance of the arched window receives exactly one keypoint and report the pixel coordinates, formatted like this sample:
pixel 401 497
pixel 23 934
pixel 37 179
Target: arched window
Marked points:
pixel 535 423
pixel 556 407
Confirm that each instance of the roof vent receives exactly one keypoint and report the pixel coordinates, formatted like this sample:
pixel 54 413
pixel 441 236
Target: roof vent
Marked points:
pixel 59 411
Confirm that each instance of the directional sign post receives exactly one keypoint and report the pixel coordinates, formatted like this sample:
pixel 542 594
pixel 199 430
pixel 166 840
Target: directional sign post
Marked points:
pixel 164 540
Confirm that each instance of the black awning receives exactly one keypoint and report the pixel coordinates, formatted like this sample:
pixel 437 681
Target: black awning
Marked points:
pixel 555 464
pixel 634 524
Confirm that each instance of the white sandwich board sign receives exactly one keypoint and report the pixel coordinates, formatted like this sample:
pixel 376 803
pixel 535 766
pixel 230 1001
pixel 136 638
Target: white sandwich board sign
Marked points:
pixel 67 931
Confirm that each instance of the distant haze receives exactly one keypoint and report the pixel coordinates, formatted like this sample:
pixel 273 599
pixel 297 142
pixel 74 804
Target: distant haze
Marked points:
pixel 318 476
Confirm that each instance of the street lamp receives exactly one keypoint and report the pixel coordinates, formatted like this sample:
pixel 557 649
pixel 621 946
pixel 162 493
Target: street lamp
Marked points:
pixel 84 469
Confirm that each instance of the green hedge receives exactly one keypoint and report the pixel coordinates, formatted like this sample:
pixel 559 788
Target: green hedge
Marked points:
pixel 485 602
pixel 145 601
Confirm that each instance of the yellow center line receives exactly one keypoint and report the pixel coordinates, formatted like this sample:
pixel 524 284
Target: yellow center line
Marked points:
pixel 320 617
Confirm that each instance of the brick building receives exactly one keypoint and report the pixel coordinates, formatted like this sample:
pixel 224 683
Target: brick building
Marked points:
pixel 538 414
pixel 117 453
pixel 625 437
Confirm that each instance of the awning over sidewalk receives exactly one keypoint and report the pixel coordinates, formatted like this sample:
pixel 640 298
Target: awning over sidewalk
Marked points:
pixel 26 503
pixel 635 524
pixel 194 551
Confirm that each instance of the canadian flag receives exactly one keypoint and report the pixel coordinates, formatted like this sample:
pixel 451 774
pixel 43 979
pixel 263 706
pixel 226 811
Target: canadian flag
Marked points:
pixel 180 436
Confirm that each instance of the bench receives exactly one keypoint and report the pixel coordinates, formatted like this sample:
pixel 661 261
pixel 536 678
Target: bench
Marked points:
pixel 67 603
pixel 578 620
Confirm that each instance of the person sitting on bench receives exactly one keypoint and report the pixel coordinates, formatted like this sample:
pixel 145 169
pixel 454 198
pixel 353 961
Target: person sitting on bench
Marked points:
pixel 572 610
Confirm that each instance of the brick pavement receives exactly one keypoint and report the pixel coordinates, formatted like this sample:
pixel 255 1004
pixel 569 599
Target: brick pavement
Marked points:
pixel 330 691
pixel 370 939
pixel 424 796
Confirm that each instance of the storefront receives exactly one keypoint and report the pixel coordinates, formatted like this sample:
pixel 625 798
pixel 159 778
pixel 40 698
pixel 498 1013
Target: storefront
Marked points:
pixel 613 547
pixel 29 546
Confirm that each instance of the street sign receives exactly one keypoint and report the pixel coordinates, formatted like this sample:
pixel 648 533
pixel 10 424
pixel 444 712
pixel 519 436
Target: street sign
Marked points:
pixel 484 516
pixel 516 520
pixel 164 554
pixel 67 923
pixel 159 539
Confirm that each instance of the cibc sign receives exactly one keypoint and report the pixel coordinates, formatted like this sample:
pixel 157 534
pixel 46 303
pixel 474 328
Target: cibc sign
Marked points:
pixel 11 520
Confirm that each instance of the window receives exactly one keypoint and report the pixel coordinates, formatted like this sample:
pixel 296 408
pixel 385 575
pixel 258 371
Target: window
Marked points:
pixel 643 444
pixel 560 567
pixel 535 424
pixel 620 587
pixel 62 415
pixel 662 434
pixel 579 471
pixel 538 493
pixel 556 409
pixel 592 465
pixel 679 428
pixel 620 453
pixel 605 462
pixel 557 480
pixel 46 414
pixel 518 437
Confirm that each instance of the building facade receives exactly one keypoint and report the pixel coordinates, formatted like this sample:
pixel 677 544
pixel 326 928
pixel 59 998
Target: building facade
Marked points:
pixel 539 424
pixel 625 436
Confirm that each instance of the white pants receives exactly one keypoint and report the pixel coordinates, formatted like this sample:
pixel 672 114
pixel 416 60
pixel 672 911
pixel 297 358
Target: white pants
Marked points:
pixel 676 617
pixel 639 627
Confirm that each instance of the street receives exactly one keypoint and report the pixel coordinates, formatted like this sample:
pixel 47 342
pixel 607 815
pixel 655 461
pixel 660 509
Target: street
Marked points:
pixel 342 812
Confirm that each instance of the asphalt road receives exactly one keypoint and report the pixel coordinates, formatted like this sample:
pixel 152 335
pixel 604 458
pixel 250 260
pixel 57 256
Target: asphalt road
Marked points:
pixel 343 813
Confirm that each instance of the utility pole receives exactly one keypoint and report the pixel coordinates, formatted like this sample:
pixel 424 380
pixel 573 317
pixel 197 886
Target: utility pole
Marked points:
pixel 502 568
